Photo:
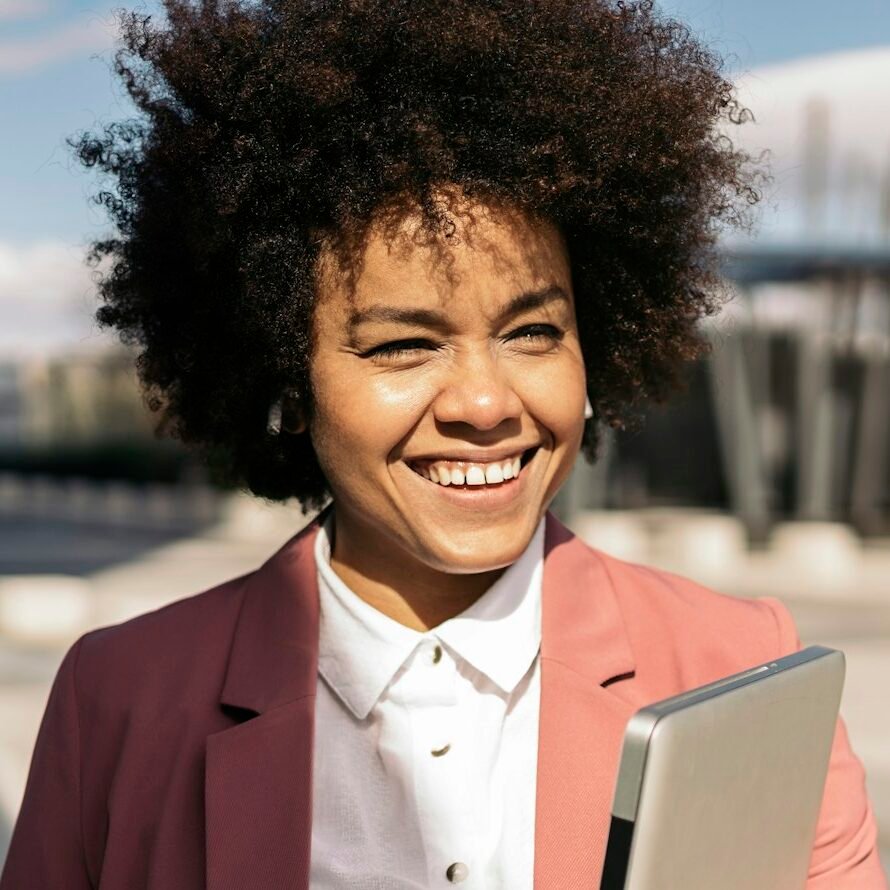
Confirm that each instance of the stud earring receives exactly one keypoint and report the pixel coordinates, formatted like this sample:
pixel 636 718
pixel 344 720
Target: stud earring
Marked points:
pixel 273 422
pixel 288 417
pixel 588 409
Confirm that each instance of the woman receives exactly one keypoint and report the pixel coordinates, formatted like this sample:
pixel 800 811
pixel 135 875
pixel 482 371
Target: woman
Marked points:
pixel 400 258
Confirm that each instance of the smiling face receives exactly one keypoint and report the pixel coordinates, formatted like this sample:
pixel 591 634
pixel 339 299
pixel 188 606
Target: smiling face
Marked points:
pixel 447 410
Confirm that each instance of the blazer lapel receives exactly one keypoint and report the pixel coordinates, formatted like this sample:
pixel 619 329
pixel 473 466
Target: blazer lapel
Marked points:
pixel 584 646
pixel 258 773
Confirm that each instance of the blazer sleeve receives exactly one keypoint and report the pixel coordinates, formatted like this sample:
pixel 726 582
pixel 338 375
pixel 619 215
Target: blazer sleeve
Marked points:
pixel 845 850
pixel 46 849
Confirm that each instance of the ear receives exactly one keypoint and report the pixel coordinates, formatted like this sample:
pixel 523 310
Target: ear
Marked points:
pixel 293 415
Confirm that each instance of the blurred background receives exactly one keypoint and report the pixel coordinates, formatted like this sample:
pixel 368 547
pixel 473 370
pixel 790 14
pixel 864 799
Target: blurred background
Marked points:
pixel 769 475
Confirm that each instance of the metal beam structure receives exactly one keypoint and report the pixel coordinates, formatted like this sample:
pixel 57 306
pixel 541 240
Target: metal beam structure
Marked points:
pixel 831 433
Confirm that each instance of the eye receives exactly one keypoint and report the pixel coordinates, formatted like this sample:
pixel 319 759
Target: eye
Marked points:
pixel 398 348
pixel 536 334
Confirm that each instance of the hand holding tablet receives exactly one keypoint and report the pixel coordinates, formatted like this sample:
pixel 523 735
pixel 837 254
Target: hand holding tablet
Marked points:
pixel 720 787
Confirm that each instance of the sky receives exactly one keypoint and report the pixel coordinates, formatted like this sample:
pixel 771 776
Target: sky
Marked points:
pixel 56 80
pixel 752 33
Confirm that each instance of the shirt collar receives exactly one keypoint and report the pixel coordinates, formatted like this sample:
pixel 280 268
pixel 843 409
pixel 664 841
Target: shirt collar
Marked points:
pixel 361 649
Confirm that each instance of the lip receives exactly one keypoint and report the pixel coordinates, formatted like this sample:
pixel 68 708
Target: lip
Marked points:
pixel 479 456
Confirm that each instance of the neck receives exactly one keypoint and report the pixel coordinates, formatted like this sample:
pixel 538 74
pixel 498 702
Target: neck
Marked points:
pixel 403 588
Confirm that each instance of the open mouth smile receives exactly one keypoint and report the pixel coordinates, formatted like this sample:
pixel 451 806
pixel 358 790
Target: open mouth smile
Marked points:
pixel 467 473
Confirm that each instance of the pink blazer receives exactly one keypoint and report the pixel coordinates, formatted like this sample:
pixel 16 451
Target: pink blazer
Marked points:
pixel 175 752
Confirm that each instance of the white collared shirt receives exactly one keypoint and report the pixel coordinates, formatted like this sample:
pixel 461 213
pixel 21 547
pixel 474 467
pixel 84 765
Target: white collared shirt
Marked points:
pixel 426 744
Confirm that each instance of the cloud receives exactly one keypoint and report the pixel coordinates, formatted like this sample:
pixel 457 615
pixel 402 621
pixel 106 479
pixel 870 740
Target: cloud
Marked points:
pixel 47 301
pixel 26 54
pixel 824 121
pixel 45 270
pixel 22 9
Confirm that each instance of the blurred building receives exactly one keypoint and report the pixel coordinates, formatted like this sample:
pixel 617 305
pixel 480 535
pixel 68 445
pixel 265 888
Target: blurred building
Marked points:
pixel 788 418
pixel 61 401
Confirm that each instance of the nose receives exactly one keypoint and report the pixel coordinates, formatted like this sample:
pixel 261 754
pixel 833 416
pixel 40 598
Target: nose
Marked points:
pixel 477 392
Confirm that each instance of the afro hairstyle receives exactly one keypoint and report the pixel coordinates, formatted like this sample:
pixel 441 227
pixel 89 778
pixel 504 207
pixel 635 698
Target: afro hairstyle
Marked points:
pixel 266 128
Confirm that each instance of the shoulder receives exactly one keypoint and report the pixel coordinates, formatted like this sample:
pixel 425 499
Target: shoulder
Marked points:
pixel 178 648
pixel 653 593
pixel 180 652
pixel 680 627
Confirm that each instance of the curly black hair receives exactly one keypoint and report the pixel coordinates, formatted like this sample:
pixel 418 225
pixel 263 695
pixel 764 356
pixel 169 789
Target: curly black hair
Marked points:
pixel 268 128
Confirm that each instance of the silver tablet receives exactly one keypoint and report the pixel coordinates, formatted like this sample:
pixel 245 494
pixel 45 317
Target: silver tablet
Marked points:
pixel 720 787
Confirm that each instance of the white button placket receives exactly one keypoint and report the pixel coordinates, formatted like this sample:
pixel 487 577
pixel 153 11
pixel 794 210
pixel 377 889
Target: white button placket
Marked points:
pixel 445 805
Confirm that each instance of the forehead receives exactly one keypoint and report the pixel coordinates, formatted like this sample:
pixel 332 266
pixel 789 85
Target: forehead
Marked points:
pixel 492 256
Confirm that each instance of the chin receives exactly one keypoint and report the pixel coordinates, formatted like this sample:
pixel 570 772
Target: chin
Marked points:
pixel 480 550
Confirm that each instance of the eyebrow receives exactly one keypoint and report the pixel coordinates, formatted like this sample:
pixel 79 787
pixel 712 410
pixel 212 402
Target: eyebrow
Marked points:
pixel 524 302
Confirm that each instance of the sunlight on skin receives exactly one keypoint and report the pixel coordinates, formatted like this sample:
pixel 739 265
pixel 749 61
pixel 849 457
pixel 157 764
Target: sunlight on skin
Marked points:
pixel 417 366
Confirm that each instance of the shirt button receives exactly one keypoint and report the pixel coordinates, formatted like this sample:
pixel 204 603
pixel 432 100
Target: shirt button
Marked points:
pixel 437 654
pixel 438 752
pixel 457 872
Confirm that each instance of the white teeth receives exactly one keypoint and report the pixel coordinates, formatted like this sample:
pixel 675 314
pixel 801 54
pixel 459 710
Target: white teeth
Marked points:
pixel 445 473
pixel 475 476
pixel 493 474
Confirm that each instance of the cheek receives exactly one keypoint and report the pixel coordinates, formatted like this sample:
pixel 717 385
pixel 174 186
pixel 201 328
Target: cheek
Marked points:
pixel 401 398
pixel 555 398
pixel 361 413
pixel 558 403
